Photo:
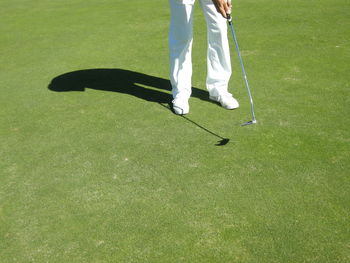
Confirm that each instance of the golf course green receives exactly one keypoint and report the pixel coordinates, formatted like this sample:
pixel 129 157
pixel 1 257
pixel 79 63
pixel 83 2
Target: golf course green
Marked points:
pixel 95 167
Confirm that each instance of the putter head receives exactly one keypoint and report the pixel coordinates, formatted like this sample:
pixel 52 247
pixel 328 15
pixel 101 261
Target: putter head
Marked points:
pixel 223 142
pixel 249 123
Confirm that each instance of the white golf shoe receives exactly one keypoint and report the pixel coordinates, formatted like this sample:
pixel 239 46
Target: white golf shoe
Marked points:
pixel 181 106
pixel 226 100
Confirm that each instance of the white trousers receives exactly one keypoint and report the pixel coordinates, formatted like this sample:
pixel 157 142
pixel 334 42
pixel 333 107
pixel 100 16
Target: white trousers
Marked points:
pixel 180 48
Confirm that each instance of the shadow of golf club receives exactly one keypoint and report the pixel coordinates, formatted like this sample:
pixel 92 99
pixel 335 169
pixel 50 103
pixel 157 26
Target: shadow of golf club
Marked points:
pixel 223 141
pixel 143 86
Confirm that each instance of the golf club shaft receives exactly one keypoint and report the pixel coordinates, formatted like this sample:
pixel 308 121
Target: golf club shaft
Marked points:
pixel 229 19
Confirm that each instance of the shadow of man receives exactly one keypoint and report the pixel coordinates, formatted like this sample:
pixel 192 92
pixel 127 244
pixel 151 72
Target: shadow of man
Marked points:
pixel 137 84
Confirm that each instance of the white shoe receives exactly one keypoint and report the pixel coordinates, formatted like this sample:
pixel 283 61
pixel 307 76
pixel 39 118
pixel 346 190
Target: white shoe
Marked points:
pixel 181 106
pixel 227 101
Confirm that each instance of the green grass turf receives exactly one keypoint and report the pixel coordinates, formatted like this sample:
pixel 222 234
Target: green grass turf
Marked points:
pixel 107 176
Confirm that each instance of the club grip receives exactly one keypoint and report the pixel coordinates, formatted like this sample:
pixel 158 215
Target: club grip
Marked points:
pixel 229 18
pixel 228 15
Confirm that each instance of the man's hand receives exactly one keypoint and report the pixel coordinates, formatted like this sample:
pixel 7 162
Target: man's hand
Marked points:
pixel 223 7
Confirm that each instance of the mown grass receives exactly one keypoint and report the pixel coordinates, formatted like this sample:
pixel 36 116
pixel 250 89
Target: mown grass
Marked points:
pixel 106 176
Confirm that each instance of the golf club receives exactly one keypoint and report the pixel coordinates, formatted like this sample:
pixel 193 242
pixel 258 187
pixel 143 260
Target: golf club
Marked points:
pixel 229 20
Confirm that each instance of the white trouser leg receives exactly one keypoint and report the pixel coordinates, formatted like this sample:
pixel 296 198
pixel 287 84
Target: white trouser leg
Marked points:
pixel 180 47
pixel 218 56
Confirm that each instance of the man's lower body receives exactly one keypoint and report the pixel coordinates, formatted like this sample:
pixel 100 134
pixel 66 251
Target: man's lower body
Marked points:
pixel 180 49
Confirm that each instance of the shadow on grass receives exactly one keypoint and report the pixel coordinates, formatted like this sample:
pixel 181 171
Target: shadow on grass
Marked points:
pixel 122 81
pixel 137 84
pixel 221 142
